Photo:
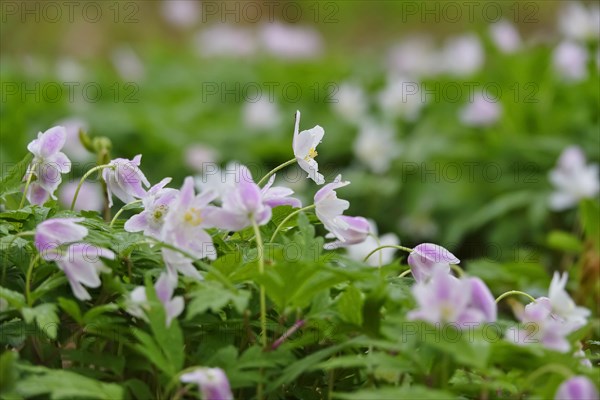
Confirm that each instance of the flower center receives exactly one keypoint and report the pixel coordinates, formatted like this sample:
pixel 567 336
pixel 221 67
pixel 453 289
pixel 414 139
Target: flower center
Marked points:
pixel 312 153
pixel 447 312
pixel 192 217
pixel 159 212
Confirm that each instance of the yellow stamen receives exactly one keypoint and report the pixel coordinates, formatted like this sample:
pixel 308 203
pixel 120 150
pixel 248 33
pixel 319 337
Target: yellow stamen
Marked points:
pixel 192 217
pixel 312 153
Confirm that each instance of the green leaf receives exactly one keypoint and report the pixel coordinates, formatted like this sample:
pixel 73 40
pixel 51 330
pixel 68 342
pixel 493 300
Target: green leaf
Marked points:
pixel 13 179
pixel 72 308
pixel 15 299
pixel 45 317
pixel 590 215
pixel 61 384
pixel 211 295
pixel 8 372
pixel 395 393
pixel 564 241
pixel 350 304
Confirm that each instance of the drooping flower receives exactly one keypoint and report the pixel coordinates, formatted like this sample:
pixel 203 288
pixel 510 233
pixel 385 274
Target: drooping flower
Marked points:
pixel 538 326
pixel 376 146
pixel 480 112
pixel 164 286
pixel 353 230
pixel 505 36
pixel 124 179
pixel 156 206
pixel 89 197
pixel 184 228
pixel 426 257
pixel 570 61
pixel 359 251
pixel 446 299
pixel 482 299
pixel 55 232
pixel 47 165
pixel 328 207
pixel 213 383
pixel 81 264
pixel 577 388
pixel 305 149
pixel 573 179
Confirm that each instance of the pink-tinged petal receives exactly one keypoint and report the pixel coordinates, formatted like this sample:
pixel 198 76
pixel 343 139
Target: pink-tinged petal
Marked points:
pixel 174 308
pixel 538 311
pixel 425 257
pixel 137 223
pixel 186 194
pixel 213 383
pixel 57 231
pixel 330 187
pixel 224 219
pixel 572 158
pixel 483 300
pixel 61 162
pixel 137 160
pixel 577 388
pixel 156 188
pixel 51 141
pixel 164 288
pixel 263 216
pixel 36 194
pixel 34 146
pixel 250 195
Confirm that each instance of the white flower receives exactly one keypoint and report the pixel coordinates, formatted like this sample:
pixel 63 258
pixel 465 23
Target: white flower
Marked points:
pixel 225 40
pixel 563 305
pixel 261 114
pixel 578 23
pixel 415 56
pixel 376 146
pixel 328 207
pixel 573 179
pixel 305 149
pixel 73 147
pixel 291 42
pixel 402 98
pixel 198 157
pixel 463 55
pixel 570 61
pixel 480 112
pixel 505 36
pixel 128 64
pixel 359 251
pixel 181 13
pixel 350 102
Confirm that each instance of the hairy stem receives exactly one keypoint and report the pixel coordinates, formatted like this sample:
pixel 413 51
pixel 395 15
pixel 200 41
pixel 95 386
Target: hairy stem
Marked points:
pixel 87 174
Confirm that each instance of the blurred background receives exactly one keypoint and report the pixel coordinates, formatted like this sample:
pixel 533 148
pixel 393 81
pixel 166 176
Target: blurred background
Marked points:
pixel 445 116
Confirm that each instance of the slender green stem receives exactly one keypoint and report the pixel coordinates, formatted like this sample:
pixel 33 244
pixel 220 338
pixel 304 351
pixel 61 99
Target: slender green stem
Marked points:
pixel 263 299
pixel 112 222
pixel 277 168
pixel 286 219
pixel 388 246
pixel 34 260
pixel 87 174
pixel 557 368
pixel 402 275
pixel 29 177
pixel 511 292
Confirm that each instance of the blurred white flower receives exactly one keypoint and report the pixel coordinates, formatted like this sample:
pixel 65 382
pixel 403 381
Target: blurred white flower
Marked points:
pixel 570 61
pixel 505 36
pixel 197 156
pixel 359 251
pixel 73 147
pixel 291 42
pixel 350 102
pixel 225 40
pixel 89 198
pixel 218 180
pixel 128 64
pixel 402 98
pixel 563 305
pixel 261 114
pixel 376 146
pixel 573 179
pixel 419 225
pixel 414 56
pixel 462 55
pixel 181 13
pixel 69 70
pixel 480 112
pixel 577 22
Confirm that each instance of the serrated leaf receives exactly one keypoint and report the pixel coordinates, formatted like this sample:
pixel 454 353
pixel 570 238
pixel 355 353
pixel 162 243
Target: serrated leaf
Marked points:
pixel 45 317
pixel 13 179
pixel 212 296
pixel 15 299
